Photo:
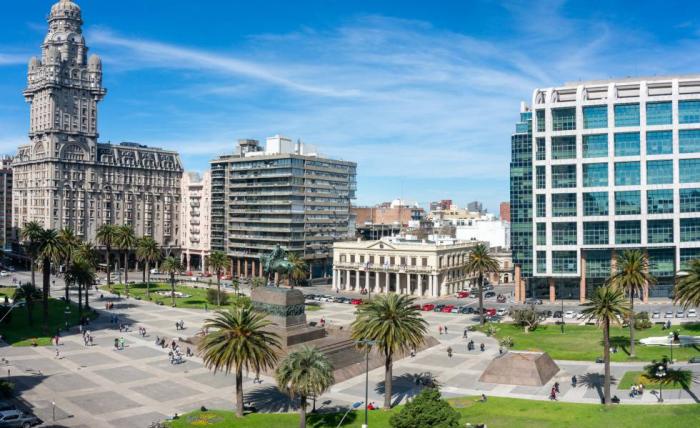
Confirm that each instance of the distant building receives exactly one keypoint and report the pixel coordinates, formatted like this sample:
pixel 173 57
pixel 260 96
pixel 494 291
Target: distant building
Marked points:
pixel 7 232
pixel 196 221
pixel 504 211
pixel 485 229
pixel 476 207
pixel 444 204
pixel 386 219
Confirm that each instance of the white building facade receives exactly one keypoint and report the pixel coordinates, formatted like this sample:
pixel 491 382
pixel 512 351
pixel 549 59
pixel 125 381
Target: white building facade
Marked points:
pixel 196 224
pixel 486 229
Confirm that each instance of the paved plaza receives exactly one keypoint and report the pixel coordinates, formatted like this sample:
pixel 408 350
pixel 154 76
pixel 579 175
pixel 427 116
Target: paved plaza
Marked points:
pixel 98 386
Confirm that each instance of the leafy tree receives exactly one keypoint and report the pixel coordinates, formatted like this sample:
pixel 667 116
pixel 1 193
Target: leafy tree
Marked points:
pixel 107 236
pixel 30 294
pixel 395 324
pixel 305 373
pixel 126 240
pixel 607 306
pixel 480 263
pixel 218 262
pixel 630 276
pixel 147 252
pixel 217 297
pixel 81 273
pixel 687 292
pixel 31 233
pixel 51 251
pixel 684 378
pixel 238 340
pixel 298 269
pixel 527 318
pixel 87 253
pixel 70 243
pixel 171 266
pixel 427 409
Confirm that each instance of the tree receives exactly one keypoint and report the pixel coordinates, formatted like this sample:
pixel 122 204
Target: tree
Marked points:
pixel 218 262
pixel 527 318
pixel 31 233
pixel 147 252
pixel 687 291
pixel 81 273
pixel 171 266
pixel 394 324
pixel 107 236
pixel 607 306
pixel 298 268
pixel 70 243
pixel 126 240
pixel 87 253
pixel 30 294
pixel 480 263
pixel 630 276
pixel 51 251
pixel 427 409
pixel 305 373
pixel 238 340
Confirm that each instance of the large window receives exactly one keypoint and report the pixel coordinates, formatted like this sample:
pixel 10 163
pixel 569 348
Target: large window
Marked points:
pixel 541 177
pixel 595 233
pixel 595 117
pixel 598 263
pixel 659 231
pixel 564 205
pixel 689 140
pixel 564 233
pixel 541 206
pixel 659 142
pixel 627 115
pixel 689 170
pixel 660 201
pixel 564 176
pixel 662 262
pixel 689 111
pixel 628 203
pixel 626 173
pixel 628 232
pixel 595 174
pixel 564 119
pixel 595 203
pixel 595 146
pixel 564 147
pixel 690 229
pixel 541 234
pixel 627 144
pixel 659 113
pixel 688 254
pixel 564 261
pixel 541 124
pixel 541 149
pixel 660 172
pixel 690 200
pixel 541 262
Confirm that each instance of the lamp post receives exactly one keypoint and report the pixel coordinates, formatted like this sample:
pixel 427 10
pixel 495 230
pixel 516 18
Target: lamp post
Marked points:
pixel 368 343
pixel 660 374
pixel 562 315
pixel 353 407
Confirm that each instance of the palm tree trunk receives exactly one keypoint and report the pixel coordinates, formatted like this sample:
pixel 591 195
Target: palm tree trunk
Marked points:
pixel 30 312
pixel 87 293
pixel 109 271
pixel 631 326
pixel 172 287
pixel 388 376
pixel 46 271
pixel 239 392
pixel 481 298
pixel 218 289
pixel 32 262
pixel 147 280
pixel 66 282
pixel 80 300
pixel 302 412
pixel 606 361
pixel 126 271
pixel 143 272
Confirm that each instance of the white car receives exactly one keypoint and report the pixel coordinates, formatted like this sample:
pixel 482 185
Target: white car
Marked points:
pixel 669 314
pixel 656 314
pixel 692 313
pixel 569 314
pixel 501 312
pixel 4 273
pixel 680 314
pixel 154 271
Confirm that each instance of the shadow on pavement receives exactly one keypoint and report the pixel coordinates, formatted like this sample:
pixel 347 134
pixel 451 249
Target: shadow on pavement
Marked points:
pixel 407 385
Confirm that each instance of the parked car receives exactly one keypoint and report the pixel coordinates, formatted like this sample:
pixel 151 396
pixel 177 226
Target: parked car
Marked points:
pixel 656 314
pixel 680 314
pixel 438 307
pixel 428 307
pixel 490 312
pixel 466 310
pixel 155 271
pixel 694 360
pixel 447 308
pixel 4 273
pixel 462 294
pixel 533 301
pixel 356 301
pixel 488 287
pixel 17 419
pixel 455 310
pixel 490 294
pixel 501 312
pixel 669 314
pixel 692 313
pixel 557 314
pixel 569 315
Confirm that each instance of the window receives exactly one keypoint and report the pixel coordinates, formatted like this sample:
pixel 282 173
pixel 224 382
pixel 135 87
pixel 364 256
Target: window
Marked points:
pixel 541 177
pixel 660 201
pixel 540 121
pixel 595 174
pixel 595 117
pixel 689 140
pixel 659 231
pixel 662 262
pixel 541 234
pixel 626 173
pixel 688 254
pixel 564 147
pixel 563 176
pixel 595 233
pixel 660 172
pixel 659 143
pixel 627 144
pixel 690 200
pixel 688 111
pixel 564 205
pixel 541 262
pixel 595 203
pixel 689 170
pixel 595 146
pixel 564 233
pixel 627 115
pixel 659 113
pixel 564 119
pixel 628 232
pixel 598 263
pixel 690 229
pixel 627 203
pixel 564 261
pixel 541 206
pixel 541 148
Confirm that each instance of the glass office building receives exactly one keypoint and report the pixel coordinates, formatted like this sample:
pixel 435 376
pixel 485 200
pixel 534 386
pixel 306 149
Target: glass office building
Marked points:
pixel 614 165
pixel 521 209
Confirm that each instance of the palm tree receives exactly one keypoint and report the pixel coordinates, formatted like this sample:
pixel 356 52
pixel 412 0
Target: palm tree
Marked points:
pixel 171 266
pixel 481 263
pixel 31 233
pixel 687 291
pixel 147 252
pixel 30 294
pixel 631 275
pixel 87 253
pixel 107 236
pixel 81 273
pixel 218 262
pixel 238 340
pixel 306 372
pixel 297 270
pixel 51 251
pixel 394 324
pixel 126 240
pixel 607 306
pixel 70 243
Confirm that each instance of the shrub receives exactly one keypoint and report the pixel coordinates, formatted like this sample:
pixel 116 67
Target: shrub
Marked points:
pixel 428 409
pixel 527 318
pixel 6 388
pixel 490 330
pixel 212 297
pixel 641 321
pixel 506 342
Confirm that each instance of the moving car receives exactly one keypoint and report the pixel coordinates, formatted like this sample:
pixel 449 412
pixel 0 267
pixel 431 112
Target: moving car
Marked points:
pixel 428 307
pixel 462 294
pixel 656 314
pixel 447 308
pixel 692 313
pixel 17 419
pixel 455 309
pixel 557 314
pixel 155 271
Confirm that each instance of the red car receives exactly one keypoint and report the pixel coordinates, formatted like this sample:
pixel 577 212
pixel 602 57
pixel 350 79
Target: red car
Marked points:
pixel 448 308
pixel 462 294
pixel 206 274
pixel 356 301
pixel 428 307
pixel 491 312
pixel 188 273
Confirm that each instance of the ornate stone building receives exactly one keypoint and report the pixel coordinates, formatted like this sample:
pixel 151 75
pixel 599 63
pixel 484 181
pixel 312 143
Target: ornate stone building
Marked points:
pixel 64 177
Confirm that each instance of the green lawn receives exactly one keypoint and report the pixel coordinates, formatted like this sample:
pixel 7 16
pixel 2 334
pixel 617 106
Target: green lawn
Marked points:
pixel 197 299
pixel 585 343
pixel 636 377
pixel 496 413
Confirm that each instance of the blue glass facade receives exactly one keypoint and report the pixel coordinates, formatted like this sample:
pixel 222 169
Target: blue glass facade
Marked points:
pixel 627 144
pixel 563 176
pixel 626 173
pixel 564 233
pixel 628 232
pixel 660 201
pixel 660 172
pixel 564 261
pixel 660 231
pixel 689 170
pixel 564 119
pixel 595 174
pixel 689 141
pixel 688 111
pixel 595 146
pixel 595 233
pixel 521 196
pixel 690 200
pixel 564 205
pixel 595 203
pixel 626 115
pixel 690 229
pixel 628 203
pixel 659 142
pixel 595 117
pixel 564 147
pixel 660 113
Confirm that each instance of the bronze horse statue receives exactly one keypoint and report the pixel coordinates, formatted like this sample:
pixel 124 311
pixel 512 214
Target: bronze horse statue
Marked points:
pixel 276 262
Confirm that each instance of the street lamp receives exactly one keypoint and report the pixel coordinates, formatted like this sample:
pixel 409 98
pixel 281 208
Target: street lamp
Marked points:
pixel 368 343
pixel 353 407
pixel 660 374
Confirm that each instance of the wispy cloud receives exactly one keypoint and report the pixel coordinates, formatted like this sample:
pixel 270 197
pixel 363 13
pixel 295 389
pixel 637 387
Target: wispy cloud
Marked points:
pixel 12 59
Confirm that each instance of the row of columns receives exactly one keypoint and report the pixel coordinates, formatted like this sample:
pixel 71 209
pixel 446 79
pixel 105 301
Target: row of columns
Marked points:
pixel 244 267
pixel 203 261
pixel 403 283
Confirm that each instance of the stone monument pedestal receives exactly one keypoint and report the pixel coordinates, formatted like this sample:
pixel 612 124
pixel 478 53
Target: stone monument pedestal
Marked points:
pixel 285 309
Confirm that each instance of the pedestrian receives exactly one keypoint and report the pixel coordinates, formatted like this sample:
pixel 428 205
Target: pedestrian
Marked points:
pixel 445 329
pixel 556 387
pixel 116 344
pixel 157 340
pixel 56 339
pixel 574 381
pixel 58 355
pixel 640 389
pixel 440 329
pixel 553 394
pixel 90 340
pixel 483 348
pixel 464 335
pixel 121 342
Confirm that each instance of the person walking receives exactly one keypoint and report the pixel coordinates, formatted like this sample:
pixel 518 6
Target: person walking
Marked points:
pixel 440 329
pixel 445 329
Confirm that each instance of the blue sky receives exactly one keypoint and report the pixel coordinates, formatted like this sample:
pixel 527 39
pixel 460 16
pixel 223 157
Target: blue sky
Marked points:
pixel 423 95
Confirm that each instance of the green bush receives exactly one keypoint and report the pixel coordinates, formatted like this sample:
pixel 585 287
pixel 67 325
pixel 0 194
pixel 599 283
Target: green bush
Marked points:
pixel 427 409
pixel 641 321
pixel 212 294
pixel 506 342
pixel 6 388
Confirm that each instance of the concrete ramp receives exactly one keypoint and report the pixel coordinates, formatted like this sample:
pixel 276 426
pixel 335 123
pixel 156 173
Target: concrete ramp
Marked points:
pixel 520 368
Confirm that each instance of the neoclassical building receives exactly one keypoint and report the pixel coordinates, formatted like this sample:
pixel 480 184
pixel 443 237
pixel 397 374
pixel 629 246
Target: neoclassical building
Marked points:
pixel 429 268
pixel 196 224
pixel 64 177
